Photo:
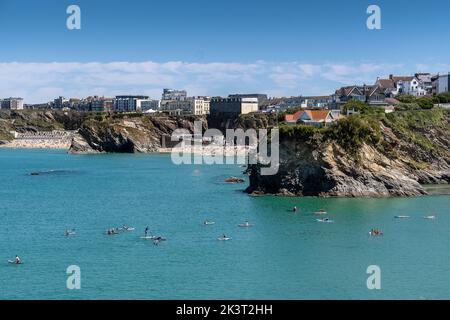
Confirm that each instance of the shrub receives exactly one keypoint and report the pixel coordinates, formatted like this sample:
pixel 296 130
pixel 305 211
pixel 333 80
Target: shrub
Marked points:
pixel 425 103
pixel 444 97
pixel 405 98
pixel 350 133
pixel 407 106
pixel 356 105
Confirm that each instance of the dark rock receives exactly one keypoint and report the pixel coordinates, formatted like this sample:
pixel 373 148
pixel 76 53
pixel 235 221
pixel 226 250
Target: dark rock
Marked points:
pixel 234 180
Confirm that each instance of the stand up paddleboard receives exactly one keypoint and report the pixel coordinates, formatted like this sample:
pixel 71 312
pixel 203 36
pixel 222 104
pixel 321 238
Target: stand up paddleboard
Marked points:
pixel 148 237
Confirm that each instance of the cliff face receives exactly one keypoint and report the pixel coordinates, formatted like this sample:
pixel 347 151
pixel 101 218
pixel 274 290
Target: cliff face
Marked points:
pixel 24 121
pixel 387 156
pixel 128 134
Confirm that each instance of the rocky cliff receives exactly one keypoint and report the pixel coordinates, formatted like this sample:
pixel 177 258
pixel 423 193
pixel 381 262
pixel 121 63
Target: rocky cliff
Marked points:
pixel 362 156
pixel 24 121
pixel 128 134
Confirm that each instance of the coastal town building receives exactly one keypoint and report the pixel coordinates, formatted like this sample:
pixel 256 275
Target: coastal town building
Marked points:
pixel 191 105
pixel 443 83
pixel 148 105
pixel 345 94
pixel 60 103
pixel 373 95
pixel 12 104
pixel 396 85
pixel 317 118
pixel 293 118
pixel 128 103
pixel 231 107
pixel 262 98
pixel 170 94
pixel 200 105
pixel 316 102
pixel 102 104
pixel 426 80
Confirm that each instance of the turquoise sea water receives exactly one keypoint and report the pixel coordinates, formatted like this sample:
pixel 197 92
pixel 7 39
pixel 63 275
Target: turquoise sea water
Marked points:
pixel 283 256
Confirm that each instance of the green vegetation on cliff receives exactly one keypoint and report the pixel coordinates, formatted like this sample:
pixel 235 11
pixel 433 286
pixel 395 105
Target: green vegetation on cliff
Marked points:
pixel 353 131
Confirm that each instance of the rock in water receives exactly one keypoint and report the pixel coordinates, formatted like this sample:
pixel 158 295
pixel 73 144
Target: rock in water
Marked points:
pixel 385 163
pixel 234 180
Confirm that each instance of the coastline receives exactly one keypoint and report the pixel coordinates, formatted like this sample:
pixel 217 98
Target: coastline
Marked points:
pixel 207 151
pixel 36 144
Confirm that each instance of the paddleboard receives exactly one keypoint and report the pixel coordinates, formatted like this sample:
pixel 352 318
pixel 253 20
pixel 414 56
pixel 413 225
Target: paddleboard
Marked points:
pixel 324 221
pixel 148 238
pixel 243 225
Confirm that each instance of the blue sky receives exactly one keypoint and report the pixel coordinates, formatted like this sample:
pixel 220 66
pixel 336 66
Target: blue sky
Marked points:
pixel 283 47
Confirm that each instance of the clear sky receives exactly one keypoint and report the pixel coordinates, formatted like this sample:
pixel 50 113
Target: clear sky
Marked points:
pixel 214 47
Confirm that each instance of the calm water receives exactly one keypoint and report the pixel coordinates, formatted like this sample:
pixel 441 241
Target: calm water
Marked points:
pixel 284 256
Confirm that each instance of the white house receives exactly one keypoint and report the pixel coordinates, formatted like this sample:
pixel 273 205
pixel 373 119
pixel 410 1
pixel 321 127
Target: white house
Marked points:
pixel 403 85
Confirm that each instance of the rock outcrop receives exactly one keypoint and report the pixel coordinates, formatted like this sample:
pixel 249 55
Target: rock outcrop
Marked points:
pixel 234 180
pixel 404 156
pixel 140 134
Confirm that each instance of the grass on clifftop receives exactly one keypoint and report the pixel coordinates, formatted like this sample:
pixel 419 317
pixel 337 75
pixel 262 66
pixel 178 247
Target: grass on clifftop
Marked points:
pixel 412 124
pixel 353 131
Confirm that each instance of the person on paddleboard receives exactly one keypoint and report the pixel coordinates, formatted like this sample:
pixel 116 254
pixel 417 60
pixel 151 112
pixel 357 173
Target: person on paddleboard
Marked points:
pixel 146 231
pixel 17 260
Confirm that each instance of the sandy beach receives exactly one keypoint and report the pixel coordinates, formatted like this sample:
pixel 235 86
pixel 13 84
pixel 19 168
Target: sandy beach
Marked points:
pixel 37 144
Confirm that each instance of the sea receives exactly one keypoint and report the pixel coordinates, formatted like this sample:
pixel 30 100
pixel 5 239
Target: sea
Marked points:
pixel 283 255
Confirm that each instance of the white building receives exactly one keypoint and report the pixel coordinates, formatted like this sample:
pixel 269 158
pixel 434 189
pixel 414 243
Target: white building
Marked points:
pixel 128 103
pixel 192 105
pixel 396 85
pixel 12 104
pixel 316 102
pixel 148 104
pixel 443 83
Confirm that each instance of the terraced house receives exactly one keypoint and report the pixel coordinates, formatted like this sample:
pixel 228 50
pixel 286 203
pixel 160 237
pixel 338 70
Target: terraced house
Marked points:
pixel 373 95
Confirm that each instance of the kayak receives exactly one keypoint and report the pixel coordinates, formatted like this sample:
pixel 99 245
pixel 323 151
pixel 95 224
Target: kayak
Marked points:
pixel 223 238
pixel 402 217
